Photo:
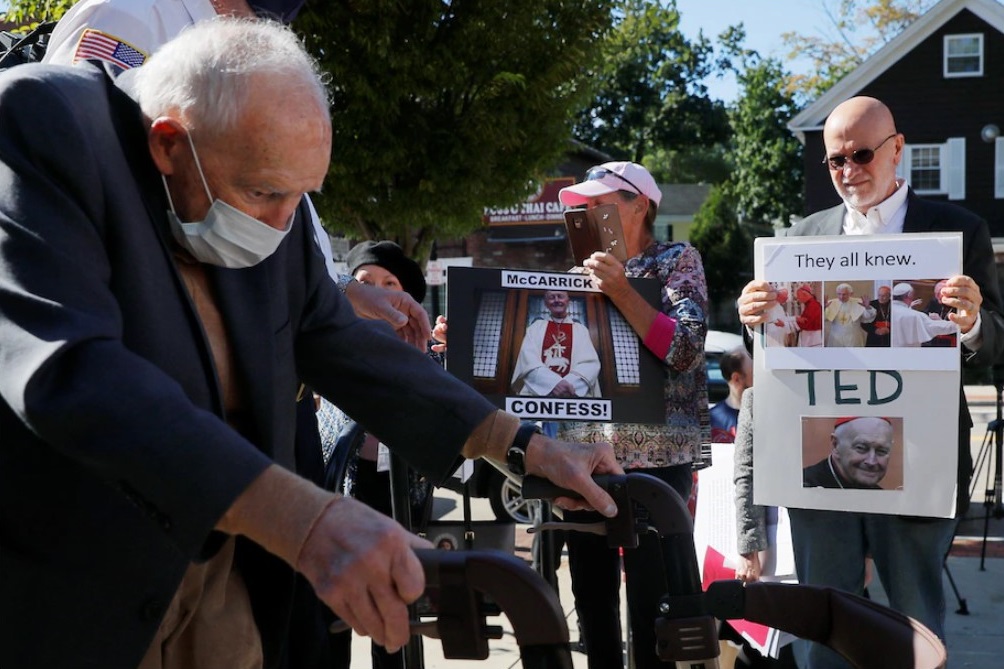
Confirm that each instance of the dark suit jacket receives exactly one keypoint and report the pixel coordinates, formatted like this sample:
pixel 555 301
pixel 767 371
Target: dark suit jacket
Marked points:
pixel 977 263
pixel 115 462
pixel 883 317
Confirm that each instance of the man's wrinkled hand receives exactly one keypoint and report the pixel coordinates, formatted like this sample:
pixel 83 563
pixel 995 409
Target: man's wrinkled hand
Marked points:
pixel 396 307
pixel 962 294
pixel 571 465
pixel 756 299
pixel 362 565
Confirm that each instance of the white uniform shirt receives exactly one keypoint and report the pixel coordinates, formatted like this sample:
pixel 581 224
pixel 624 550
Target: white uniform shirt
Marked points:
pixel 141 24
pixel 125 33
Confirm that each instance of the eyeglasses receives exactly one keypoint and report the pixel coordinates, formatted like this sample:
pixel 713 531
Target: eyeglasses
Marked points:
pixel 859 157
pixel 600 172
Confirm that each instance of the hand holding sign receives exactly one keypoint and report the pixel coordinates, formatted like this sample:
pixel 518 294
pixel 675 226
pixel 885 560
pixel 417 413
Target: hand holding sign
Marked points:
pixel 758 297
pixel 962 294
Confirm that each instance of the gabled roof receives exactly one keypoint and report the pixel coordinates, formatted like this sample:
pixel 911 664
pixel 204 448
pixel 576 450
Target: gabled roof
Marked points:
pixel 813 116
pixel 682 199
pixel 589 152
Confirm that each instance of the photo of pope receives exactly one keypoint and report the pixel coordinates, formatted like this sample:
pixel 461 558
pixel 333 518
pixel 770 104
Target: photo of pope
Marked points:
pixel 912 328
pixel 844 316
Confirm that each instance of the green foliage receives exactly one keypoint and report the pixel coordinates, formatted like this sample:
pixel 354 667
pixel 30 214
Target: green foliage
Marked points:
pixel 26 14
pixel 441 109
pixel 650 94
pixel 726 246
pixel 690 164
pixel 768 173
pixel 765 185
pixel 859 29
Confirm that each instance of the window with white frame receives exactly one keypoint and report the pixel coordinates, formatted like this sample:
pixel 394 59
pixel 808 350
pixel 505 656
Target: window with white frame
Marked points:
pixel 936 169
pixel 925 168
pixel 964 55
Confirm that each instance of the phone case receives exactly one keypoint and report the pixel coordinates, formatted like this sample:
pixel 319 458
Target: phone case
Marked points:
pixel 609 234
pixel 581 234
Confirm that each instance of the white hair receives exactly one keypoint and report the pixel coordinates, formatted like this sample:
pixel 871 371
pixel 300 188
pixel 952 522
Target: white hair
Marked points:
pixel 205 74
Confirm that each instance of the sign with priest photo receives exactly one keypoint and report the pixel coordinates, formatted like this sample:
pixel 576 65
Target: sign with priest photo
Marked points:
pixel 858 375
pixel 860 302
pixel 551 346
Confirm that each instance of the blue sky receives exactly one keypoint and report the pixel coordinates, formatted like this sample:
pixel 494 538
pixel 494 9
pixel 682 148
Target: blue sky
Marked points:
pixel 764 20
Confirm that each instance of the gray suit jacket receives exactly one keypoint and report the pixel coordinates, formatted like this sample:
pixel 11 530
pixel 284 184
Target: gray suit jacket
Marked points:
pixel 977 262
pixel 115 460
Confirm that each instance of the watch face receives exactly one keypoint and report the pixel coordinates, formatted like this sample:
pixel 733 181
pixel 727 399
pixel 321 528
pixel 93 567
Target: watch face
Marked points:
pixel 516 460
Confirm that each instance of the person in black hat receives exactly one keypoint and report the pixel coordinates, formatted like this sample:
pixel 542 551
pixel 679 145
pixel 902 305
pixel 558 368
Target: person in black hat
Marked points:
pixel 384 264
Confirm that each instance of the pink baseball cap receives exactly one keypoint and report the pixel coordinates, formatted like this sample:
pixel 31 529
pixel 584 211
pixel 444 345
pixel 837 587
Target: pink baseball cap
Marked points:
pixel 610 177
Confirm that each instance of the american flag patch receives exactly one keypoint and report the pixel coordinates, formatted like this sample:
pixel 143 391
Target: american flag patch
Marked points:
pixel 95 44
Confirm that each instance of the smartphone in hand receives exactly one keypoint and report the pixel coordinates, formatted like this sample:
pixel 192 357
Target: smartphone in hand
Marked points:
pixel 581 234
pixel 596 229
pixel 608 230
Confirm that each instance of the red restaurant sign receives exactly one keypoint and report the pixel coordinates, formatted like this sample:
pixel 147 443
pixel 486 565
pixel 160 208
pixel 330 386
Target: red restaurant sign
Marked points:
pixel 540 208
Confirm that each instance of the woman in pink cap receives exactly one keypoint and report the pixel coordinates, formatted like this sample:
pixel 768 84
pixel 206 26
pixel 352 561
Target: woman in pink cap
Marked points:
pixel 675 333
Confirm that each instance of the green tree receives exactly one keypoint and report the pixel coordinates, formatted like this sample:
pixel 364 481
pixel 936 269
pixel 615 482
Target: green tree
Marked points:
pixel 28 13
pixel 725 245
pixel 650 94
pixel 765 186
pixel 690 164
pixel 858 29
pixel 768 174
pixel 441 109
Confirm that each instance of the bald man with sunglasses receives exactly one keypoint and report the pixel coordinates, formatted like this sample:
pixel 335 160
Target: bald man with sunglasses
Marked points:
pixel 863 149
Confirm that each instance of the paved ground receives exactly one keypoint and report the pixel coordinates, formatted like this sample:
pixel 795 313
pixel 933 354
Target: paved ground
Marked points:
pixel 972 582
pixel 975 641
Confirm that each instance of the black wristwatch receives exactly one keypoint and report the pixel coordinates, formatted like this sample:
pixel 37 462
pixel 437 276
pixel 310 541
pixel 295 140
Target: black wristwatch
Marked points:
pixel 515 457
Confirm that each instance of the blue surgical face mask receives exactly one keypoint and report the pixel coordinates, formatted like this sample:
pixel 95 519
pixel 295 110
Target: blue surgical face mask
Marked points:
pixel 226 237
pixel 284 10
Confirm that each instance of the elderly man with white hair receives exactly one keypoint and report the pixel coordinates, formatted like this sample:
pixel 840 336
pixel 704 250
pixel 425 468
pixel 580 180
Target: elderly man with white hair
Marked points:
pixel 861 447
pixel 911 327
pixel 843 317
pixel 938 311
pixel 158 312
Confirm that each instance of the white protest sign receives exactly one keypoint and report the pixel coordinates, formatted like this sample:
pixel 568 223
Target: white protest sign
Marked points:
pixel 833 368
pixel 435 270
pixel 435 273
pixel 869 264
pixel 716 545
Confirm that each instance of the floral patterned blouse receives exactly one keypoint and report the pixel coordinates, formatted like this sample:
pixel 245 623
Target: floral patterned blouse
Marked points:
pixel 685 300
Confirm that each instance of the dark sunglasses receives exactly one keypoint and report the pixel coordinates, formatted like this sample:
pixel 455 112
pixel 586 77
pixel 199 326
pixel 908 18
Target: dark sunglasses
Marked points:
pixel 859 157
pixel 600 172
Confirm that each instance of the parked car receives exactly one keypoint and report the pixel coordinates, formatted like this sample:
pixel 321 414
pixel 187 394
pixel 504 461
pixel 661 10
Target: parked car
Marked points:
pixel 504 495
pixel 502 492
pixel 717 343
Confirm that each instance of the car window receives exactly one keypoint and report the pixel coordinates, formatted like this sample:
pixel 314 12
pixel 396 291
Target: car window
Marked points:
pixel 718 388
